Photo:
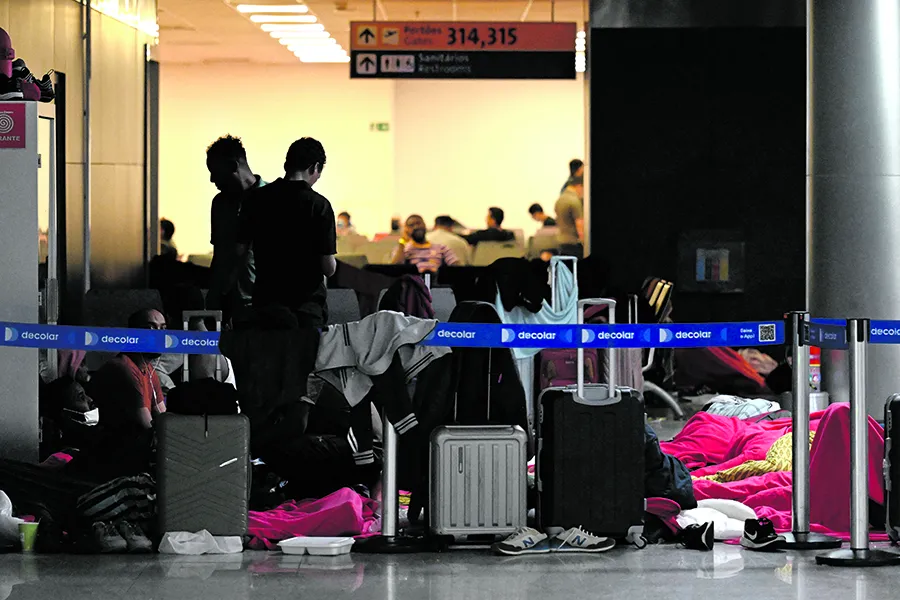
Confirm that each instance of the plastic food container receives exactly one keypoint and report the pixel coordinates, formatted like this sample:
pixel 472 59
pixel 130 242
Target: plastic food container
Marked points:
pixel 317 546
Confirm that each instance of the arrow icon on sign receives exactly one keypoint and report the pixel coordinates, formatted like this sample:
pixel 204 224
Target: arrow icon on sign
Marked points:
pixel 367 63
pixel 366 35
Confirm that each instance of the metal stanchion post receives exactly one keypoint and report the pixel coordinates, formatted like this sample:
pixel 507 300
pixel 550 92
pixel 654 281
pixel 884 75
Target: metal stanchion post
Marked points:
pixel 390 541
pixel 797 336
pixel 859 554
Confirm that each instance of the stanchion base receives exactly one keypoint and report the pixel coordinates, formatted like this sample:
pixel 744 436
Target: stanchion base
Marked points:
pixel 809 541
pixel 391 545
pixel 859 558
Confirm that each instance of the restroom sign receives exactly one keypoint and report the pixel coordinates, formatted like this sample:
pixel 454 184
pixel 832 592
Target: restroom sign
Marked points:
pixel 12 125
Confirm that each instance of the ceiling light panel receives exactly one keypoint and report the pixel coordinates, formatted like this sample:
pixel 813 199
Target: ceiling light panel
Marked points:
pixel 283 18
pixel 298 9
pixel 285 37
pixel 296 28
pixel 270 27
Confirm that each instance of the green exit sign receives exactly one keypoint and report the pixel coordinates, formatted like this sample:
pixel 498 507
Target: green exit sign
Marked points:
pixel 379 126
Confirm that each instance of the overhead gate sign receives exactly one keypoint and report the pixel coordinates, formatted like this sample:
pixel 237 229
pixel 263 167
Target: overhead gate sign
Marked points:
pixel 455 50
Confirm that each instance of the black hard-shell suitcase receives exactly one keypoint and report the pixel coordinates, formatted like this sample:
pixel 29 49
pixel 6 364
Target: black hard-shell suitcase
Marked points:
pixel 590 460
pixel 203 473
pixel 892 467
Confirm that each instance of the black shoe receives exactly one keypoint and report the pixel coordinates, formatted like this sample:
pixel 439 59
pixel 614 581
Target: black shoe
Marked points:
pixel 698 537
pixel 10 89
pixel 21 71
pixel 759 534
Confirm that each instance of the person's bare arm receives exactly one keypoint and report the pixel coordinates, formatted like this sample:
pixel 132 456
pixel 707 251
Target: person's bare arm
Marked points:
pixel 229 278
pixel 329 265
pixel 145 419
pixel 398 257
pixel 579 227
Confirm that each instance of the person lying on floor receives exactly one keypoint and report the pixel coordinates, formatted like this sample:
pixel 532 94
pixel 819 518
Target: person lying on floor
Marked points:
pixel 127 392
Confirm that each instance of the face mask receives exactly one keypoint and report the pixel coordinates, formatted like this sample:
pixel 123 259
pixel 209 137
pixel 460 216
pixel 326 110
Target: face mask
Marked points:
pixel 341 224
pixel 418 235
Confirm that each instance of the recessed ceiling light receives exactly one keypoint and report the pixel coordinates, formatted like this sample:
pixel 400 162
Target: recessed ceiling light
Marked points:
pixel 270 27
pixel 284 36
pixel 329 50
pixel 294 45
pixel 283 18
pixel 304 41
pixel 273 8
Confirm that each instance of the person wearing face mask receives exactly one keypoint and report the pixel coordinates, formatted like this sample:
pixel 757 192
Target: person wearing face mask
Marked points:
pixel 415 249
pixel 344 225
pixel 127 392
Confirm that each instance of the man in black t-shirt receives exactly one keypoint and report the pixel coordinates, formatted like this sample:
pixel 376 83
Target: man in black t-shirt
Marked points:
pixel 291 229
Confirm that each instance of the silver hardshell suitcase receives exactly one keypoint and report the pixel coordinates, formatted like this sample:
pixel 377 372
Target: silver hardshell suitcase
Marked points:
pixel 478 481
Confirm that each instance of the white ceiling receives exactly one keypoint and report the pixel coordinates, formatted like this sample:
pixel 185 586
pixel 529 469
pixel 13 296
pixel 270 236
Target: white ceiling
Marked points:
pixel 211 31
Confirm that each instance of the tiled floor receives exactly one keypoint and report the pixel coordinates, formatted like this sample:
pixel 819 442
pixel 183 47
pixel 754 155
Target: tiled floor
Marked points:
pixel 657 572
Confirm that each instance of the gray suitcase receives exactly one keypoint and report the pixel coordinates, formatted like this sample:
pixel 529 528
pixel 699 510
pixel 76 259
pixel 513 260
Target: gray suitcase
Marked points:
pixel 203 473
pixel 478 481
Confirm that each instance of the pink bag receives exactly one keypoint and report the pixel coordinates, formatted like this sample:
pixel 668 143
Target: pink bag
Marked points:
pixel 559 367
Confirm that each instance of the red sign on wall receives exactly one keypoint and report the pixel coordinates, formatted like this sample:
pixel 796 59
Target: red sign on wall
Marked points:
pixel 12 125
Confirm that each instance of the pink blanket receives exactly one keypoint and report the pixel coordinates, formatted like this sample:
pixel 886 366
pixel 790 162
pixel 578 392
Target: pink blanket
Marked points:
pixel 717 443
pixel 343 513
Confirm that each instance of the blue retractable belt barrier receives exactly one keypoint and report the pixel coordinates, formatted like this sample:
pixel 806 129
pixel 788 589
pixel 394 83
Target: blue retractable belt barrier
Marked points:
pixel 884 332
pixel 828 333
pixel 472 335
pixel 103 339
pixel 670 335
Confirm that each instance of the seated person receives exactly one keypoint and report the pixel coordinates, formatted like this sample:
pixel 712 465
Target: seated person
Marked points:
pixel 127 392
pixel 395 230
pixel 444 235
pixel 493 233
pixel 344 225
pixel 167 248
pixel 538 214
pixel 415 249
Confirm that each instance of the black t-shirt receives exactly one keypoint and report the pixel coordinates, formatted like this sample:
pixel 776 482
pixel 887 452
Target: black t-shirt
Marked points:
pixel 290 228
pixel 549 222
pixel 489 235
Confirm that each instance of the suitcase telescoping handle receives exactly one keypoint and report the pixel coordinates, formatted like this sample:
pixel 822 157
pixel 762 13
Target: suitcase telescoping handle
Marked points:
pixel 611 352
pixel 186 316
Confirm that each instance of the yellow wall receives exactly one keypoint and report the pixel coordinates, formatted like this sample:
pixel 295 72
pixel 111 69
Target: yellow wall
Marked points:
pixel 464 146
pixel 47 35
pixel 270 108
pixel 453 147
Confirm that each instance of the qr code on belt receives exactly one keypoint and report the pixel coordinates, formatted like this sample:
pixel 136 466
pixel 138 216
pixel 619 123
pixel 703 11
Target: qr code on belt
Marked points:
pixel 767 333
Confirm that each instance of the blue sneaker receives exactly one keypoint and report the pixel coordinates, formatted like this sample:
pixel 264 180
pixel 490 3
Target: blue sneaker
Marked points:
pixel 577 539
pixel 524 541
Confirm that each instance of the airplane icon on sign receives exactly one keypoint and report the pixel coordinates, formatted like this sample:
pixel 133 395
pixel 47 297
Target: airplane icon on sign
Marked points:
pixel 391 36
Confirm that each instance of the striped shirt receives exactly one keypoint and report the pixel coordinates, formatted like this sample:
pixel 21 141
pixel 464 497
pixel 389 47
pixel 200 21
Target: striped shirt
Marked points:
pixel 429 257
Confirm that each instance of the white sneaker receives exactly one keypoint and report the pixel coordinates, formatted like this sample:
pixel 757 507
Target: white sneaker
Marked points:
pixel 524 541
pixel 577 539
